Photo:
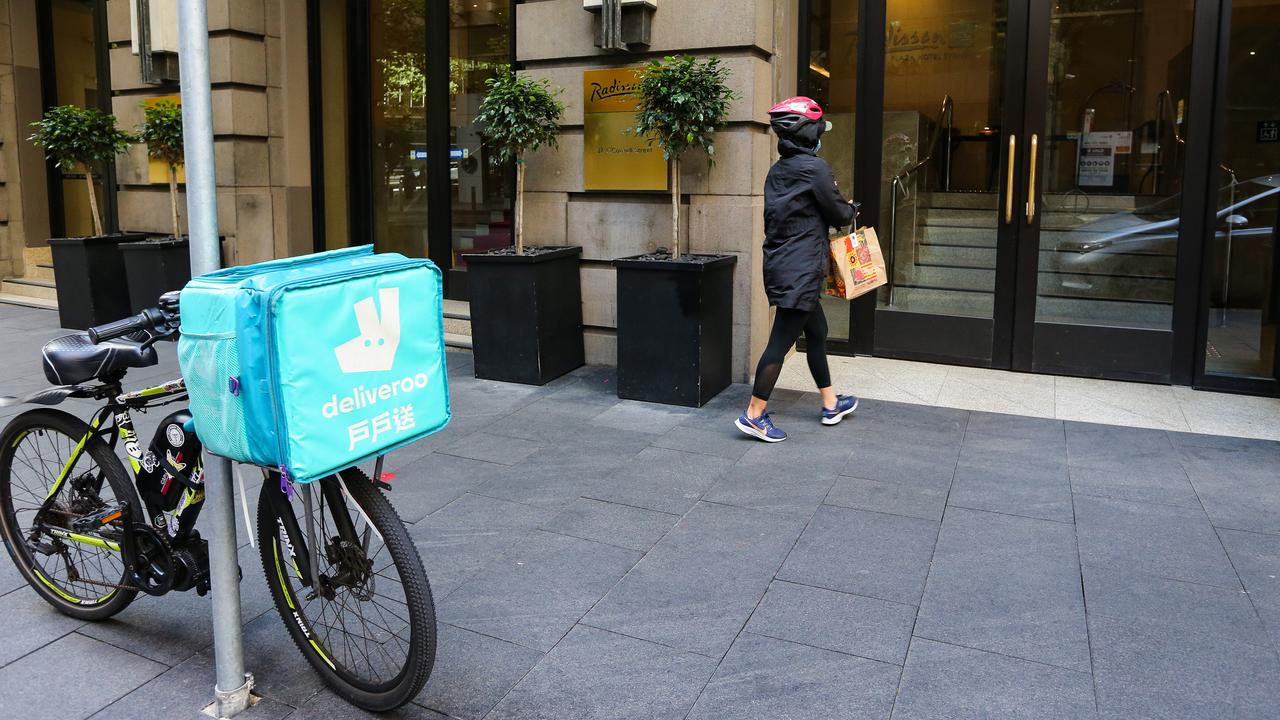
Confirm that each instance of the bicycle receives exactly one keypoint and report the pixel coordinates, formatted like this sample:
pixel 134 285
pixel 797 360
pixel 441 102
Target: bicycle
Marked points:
pixel 350 588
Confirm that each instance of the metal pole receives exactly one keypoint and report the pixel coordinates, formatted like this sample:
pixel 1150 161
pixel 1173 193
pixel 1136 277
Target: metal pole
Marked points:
pixel 231 692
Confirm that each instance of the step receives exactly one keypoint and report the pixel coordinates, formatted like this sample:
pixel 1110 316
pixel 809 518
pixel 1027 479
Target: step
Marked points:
pixel 956 256
pixel 39 271
pixel 1049 220
pixel 454 340
pixel 457 322
pixel 945 278
pixel 1117 313
pixel 942 302
pixel 30 287
pixel 1053 202
pixel 27 301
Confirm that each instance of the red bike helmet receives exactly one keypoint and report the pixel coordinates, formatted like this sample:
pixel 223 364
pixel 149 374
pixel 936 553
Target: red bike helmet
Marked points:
pixel 793 113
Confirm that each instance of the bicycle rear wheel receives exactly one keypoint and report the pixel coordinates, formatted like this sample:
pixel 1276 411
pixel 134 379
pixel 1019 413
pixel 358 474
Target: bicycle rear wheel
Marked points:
pixel 49 456
pixel 367 624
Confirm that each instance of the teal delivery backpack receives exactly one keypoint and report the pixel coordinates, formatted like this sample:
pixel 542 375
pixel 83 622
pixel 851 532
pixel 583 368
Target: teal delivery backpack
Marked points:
pixel 312 364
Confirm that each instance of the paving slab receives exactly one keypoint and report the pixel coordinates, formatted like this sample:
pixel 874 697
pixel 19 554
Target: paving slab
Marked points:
pixel 1041 491
pixel 491 448
pixel 1156 604
pixel 1165 485
pixel 1237 485
pixel 850 624
pixel 669 481
pixel 597 675
pixel 29 624
pixel 172 628
pixel 864 553
pixel 764 677
pixel 425 483
pixel 1171 542
pixel 942 682
pixel 696 588
pixel 613 524
pixel 1143 673
pixel 535 593
pixel 473 672
pixel 721 439
pixel 73 676
pixel 894 498
pixel 459 539
pixel 1008 585
pixel 182 692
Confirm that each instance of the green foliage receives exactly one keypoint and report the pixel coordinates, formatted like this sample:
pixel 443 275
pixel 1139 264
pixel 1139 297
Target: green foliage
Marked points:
pixel 162 131
pixel 682 102
pixel 518 115
pixel 87 136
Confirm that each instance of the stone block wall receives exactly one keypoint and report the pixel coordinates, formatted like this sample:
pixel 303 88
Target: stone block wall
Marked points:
pixel 24 212
pixel 258 73
pixel 721 206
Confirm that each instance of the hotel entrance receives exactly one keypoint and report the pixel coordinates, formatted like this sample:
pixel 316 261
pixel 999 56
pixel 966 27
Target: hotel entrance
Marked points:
pixel 1082 187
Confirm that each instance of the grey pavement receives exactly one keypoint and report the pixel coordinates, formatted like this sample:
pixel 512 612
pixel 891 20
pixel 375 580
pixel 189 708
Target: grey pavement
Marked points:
pixel 597 558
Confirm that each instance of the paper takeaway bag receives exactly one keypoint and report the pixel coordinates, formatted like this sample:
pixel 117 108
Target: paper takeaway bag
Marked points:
pixel 856 266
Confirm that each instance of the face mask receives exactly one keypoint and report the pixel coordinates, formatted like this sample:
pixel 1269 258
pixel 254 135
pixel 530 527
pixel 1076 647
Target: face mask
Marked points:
pixel 819 148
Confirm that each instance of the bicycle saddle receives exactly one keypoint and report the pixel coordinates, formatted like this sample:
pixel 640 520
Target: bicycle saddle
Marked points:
pixel 72 359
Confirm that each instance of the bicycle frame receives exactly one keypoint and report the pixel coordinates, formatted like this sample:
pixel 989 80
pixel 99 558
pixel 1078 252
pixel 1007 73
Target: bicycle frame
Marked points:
pixel 113 423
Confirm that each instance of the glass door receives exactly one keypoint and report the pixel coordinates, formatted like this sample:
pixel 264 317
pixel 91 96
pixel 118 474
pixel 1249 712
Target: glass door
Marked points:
pixel 953 83
pixel 1099 232
pixel 1241 295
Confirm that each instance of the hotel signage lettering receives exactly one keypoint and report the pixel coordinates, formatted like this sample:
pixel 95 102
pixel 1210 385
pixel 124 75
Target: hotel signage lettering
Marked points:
pixel 614 158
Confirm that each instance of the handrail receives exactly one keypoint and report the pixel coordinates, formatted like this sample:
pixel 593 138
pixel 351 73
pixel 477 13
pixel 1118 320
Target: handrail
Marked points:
pixel 897 183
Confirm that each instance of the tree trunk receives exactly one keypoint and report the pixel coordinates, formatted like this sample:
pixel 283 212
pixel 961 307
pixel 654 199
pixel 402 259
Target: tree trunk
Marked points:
pixel 520 206
pixel 93 202
pixel 173 200
pixel 675 208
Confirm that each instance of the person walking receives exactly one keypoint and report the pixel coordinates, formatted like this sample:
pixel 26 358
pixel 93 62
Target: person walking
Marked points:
pixel 801 201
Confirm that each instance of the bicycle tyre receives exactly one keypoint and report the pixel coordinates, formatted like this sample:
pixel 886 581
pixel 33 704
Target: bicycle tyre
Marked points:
pixel 61 596
pixel 282 578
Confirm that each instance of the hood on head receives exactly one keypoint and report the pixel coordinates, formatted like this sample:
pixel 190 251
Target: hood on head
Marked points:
pixel 801 139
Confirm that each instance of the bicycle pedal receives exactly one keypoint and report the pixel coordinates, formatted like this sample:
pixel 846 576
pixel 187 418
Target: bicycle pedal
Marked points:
pixel 94 521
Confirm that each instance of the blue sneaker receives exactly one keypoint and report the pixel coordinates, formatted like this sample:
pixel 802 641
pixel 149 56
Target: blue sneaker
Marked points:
pixel 760 428
pixel 845 405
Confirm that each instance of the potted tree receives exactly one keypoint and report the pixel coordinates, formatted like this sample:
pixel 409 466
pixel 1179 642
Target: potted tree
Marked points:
pixel 88 271
pixel 158 265
pixel 526 300
pixel 675 310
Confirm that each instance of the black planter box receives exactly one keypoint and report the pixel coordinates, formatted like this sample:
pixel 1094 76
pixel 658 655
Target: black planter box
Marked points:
pixel 154 267
pixel 675 329
pixel 89 273
pixel 526 315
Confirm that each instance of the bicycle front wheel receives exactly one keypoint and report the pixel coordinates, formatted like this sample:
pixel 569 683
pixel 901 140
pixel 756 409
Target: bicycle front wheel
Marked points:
pixel 350 587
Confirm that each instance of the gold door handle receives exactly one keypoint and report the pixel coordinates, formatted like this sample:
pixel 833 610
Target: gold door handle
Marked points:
pixel 1031 183
pixel 1008 186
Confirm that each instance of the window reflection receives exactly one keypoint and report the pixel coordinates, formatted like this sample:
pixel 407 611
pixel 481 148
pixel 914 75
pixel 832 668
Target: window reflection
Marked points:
pixel 398 74
pixel 1244 285
pixel 479 48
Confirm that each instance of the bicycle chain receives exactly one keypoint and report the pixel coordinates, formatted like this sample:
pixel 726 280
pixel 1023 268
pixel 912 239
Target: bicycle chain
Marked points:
pixel 84 580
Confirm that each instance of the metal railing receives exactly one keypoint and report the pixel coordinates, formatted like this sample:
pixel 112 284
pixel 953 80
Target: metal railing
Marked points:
pixel 898 186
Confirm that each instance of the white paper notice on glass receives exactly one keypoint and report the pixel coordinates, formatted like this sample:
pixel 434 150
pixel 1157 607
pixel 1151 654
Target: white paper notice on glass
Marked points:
pixel 1098 151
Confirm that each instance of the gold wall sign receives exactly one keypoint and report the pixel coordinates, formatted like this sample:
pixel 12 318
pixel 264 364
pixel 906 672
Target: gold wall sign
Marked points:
pixel 612 157
pixel 158 170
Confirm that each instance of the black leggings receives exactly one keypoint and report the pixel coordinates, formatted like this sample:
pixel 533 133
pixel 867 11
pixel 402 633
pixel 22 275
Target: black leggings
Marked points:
pixel 788 324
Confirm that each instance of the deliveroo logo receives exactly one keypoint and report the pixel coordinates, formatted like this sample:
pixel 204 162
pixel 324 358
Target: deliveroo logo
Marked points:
pixel 374 349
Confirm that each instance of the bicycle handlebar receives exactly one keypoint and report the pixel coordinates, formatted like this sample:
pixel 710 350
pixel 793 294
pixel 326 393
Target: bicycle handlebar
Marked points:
pixel 148 320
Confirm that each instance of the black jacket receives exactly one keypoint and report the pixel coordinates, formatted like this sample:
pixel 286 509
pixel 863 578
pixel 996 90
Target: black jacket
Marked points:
pixel 801 201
